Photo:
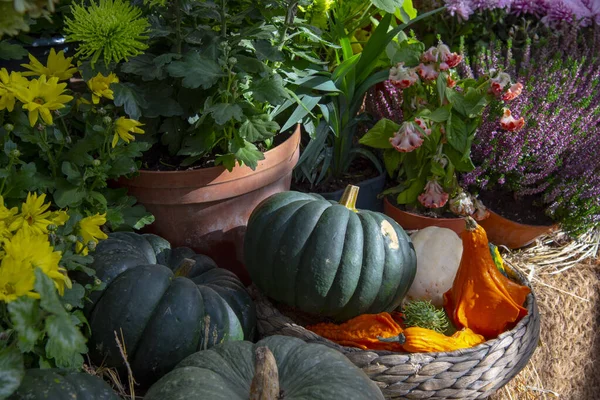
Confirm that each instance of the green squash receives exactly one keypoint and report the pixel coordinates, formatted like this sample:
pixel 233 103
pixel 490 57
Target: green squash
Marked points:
pixel 53 384
pixel 303 371
pixel 166 303
pixel 327 258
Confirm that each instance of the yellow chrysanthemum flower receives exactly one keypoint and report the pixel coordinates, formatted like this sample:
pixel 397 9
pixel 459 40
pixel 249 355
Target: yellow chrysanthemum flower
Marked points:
pixel 41 97
pixel 35 216
pixel 100 86
pixel 7 216
pixel 58 66
pixel 124 128
pixel 89 230
pixel 7 83
pixel 25 252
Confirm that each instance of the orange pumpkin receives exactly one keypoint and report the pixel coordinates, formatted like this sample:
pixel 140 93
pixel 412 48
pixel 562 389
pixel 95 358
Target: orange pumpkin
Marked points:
pixel 481 298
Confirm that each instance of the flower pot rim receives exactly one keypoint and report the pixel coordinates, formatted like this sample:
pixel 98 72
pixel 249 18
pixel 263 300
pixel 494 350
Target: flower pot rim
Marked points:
pixel 221 168
pixel 393 204
pixel 521 225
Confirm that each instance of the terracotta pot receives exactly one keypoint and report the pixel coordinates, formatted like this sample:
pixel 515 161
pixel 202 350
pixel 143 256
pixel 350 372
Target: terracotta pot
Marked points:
pixel 410 221
pixel 207 209
pixel 502 231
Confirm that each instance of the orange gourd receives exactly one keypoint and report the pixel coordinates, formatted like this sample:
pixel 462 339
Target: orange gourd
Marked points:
pixel 421 340
pixel 481 298
pixel 367 331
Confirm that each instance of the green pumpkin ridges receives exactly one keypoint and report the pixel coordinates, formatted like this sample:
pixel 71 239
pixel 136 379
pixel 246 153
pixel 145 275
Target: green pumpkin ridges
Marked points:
pixel 371 272
pixel 223 322
pixel 191 383
pixel 39 383
pixel 242 305
pixel 348 274
pixel 132 298
pixel 177 255
pixel 161 247
pixel 139 242
pixel 320 261
pixel 409 266
pixel 177 319
pixel 89 387
pixel 393 266
pixel 287 251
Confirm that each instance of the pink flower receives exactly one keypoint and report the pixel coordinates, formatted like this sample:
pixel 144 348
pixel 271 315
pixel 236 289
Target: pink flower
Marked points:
pixel 423 126
pixel 462 204
pixel 509 123
pixel 433 196
pixel 448 58
pixel 427 71
pixel 513 92
pixel 402 77
pixel 407 138
pixel 481 211
pixel 499 82
pixel 430 56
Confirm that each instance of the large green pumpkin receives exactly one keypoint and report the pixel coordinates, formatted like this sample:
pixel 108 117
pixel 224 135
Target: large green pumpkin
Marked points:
pixel 165 303
pixel 52 384
pixel 306 371
pixel 327 258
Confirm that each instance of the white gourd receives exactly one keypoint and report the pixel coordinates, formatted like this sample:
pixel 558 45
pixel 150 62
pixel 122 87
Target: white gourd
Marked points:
pixel 438 256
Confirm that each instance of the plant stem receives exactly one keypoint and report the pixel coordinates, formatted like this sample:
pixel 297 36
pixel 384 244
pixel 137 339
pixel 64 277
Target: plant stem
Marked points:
pixel 177 26
pixel 223 18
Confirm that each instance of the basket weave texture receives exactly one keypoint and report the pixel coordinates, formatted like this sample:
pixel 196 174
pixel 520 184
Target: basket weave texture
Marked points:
pixel 474 373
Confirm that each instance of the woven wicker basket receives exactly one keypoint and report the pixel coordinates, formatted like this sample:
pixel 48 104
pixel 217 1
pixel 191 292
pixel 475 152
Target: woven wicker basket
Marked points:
pixel 474 373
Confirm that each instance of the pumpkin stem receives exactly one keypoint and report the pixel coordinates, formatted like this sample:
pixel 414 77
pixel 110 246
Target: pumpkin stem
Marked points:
pixel 265 383
pixel 349 197
pixel 394 339
pixel 471 224
pixel 185 267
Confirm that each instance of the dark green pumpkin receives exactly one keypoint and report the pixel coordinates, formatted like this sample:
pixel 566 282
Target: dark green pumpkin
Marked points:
pixel 327 258
pixel 307 371
pixel 163 313
pixel 52 384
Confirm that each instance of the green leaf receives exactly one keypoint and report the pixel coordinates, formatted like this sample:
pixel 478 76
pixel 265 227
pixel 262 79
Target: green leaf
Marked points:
pixel 266 51
pixel 458 135
pixel 410 195
pixel 163 107
pixel 461 162
pixel 9 146
pixel 49 300
pixel 269 90
pixel 71 171
pixel 227 160
pixel 196 71
pixel 247 153
pixel 474 103
pixel 131 98
pixel 374 47
pixel 389 6
pixel 225 112
pixel 66 343
pixel 392 160
pixel 137 217
pixel 74 296
pixel 144 65
pixel 439 115
pixel 67 195
pixel 25 317
pixel 323 83
pixel 257 128
pixel 173 130
pixel 442 87
pixel 408 52
pixel 302 110
pixel 10 51
pixel 12 371
pixel 379 135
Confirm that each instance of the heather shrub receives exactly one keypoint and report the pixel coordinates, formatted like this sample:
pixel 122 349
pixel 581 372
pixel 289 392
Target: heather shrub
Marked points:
pixel 555 156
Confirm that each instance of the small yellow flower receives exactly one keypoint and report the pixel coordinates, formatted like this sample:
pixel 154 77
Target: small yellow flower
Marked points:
pixel 124 128
pixel 41 97
pixel 89 230
pixel 35 216
pixel 7 83
pixel 100 86
pixel 7 216
pixel 25 252
pixel 58 66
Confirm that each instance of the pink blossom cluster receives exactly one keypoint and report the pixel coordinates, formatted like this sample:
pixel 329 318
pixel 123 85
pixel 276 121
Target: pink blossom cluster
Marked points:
pixel 550 11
